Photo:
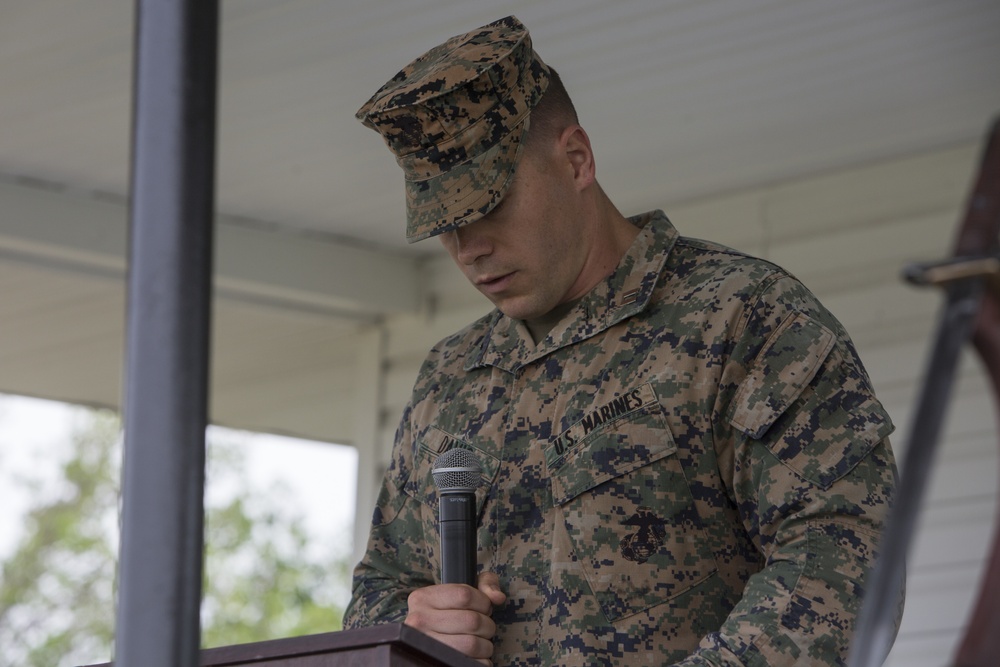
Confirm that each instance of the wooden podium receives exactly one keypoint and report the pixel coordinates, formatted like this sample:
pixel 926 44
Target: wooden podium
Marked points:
pixel 395 645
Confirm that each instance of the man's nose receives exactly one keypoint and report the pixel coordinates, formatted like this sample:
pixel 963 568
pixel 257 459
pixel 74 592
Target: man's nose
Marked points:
pixel 471 244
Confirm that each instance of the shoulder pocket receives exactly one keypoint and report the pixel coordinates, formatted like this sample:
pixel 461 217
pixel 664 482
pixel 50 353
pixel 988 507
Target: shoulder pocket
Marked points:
pixel 834 420
pixel 787 363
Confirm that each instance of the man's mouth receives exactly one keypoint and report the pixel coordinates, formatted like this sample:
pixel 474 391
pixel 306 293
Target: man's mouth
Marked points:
pixel 492 284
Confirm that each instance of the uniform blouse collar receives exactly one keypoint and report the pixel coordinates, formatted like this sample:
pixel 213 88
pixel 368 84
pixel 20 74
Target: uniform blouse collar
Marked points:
pixel 621 295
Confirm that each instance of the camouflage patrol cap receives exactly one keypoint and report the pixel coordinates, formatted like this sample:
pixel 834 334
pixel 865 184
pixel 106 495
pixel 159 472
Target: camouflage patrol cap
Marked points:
pixel 455 118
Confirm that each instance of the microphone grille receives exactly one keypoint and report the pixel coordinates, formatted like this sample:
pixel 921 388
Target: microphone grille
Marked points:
pixel 457 470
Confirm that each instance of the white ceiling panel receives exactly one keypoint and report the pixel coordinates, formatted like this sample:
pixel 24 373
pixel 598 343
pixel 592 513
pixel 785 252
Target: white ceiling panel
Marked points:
pixel 682 98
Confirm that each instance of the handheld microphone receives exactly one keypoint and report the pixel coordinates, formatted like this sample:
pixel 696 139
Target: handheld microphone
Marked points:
pixel 457 476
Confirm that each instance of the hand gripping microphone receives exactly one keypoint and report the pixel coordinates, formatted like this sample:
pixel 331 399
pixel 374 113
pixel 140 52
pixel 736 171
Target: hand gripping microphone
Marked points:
pixel 457 476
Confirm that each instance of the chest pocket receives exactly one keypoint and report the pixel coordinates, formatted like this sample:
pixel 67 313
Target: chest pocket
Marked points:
pixel 629 513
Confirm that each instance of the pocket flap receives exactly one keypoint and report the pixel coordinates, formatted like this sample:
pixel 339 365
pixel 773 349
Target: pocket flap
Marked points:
pixel 420 484
pixel 616 448
pixel 785 366
pixel 833 425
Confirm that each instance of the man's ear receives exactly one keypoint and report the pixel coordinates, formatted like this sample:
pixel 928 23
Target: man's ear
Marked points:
pixel 576 146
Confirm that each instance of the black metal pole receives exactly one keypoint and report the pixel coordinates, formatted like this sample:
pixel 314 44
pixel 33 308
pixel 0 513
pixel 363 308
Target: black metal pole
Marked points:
pixel 169 302
pixel 876 627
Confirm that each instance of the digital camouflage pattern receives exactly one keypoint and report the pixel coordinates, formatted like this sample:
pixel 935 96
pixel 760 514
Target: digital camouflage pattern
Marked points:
pixel 692 462
pixel 454 118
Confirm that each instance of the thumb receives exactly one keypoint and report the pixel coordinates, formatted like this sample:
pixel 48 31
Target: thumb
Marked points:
pixel 489 584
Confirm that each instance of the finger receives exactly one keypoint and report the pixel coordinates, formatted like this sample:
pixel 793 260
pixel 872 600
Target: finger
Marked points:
pixel 450 596
pixel 489 585
pixel 451 622
pixel 474 647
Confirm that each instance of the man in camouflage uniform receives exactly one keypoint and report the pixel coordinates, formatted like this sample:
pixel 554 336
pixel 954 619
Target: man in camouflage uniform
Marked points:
pixel 683 459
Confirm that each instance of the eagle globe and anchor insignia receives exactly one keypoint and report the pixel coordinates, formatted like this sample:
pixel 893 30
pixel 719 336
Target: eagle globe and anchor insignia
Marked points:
pixel 645 541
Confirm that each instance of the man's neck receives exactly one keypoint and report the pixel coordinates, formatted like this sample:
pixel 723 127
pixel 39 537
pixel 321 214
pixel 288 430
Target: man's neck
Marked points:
pixel 539 327
pixel 612 236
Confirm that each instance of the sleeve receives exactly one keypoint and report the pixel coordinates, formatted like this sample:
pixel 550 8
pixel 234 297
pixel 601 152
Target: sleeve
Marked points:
pixel 811 471
pixel 396 560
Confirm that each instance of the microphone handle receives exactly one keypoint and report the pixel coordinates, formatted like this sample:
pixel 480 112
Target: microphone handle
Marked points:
pixel 457 524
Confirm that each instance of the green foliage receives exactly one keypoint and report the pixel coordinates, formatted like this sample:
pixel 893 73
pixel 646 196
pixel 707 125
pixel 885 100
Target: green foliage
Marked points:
pixel 263 577
pixel 56 588
pixel 261 581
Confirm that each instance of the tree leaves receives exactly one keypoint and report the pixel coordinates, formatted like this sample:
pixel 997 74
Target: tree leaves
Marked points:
pixel 264 578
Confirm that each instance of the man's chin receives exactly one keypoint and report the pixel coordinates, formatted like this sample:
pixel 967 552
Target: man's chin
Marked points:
pixel 516 310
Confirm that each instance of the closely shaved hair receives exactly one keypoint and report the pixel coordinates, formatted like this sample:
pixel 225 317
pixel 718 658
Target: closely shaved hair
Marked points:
pixel 553 114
